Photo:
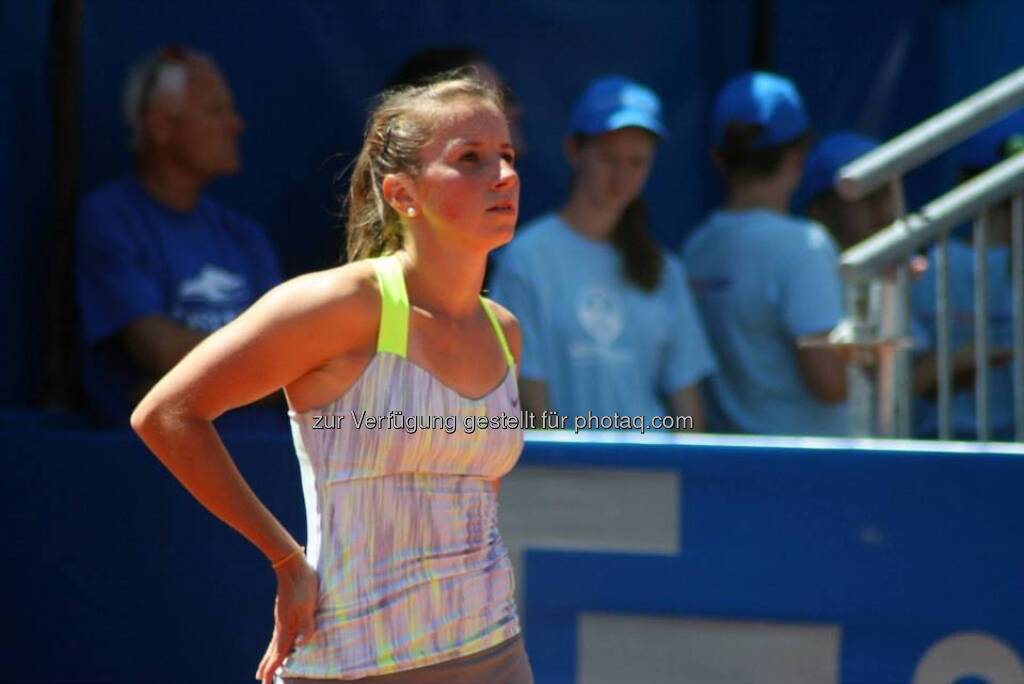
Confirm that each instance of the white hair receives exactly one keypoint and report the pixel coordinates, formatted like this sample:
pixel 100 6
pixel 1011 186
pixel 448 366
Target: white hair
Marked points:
pixel 155 75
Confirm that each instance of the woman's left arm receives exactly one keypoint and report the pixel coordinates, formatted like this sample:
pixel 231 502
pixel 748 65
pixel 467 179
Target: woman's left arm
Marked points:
pixel 509 326
pixel 689 357
pixel 514 338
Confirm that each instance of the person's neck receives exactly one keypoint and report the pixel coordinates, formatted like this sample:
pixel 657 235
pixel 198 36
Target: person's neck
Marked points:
pixel 169 185
pixel 593 222
pixel 758 195
pixel 443 281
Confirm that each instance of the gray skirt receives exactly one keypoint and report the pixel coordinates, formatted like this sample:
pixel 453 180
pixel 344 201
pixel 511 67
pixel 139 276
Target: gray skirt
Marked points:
pixel 505 663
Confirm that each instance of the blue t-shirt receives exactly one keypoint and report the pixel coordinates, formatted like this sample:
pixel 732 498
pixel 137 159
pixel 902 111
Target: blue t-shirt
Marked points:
pixel 135 257
pixel 601 344
pixel 762 279
pixel 961 332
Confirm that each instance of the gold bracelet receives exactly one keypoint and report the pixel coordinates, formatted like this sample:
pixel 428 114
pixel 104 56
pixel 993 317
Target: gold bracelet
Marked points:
pixel 297 552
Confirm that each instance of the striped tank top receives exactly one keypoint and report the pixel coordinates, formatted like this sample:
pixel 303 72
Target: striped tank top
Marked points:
pixel 401 514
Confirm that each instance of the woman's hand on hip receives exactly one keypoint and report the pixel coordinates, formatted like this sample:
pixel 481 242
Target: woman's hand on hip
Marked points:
pixel 293 614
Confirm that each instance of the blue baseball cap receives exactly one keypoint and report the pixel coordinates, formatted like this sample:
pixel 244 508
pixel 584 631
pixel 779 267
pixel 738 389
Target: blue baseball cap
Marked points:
pixel 994 144
pixel 832 153
pixel 613 102
pixel 763 98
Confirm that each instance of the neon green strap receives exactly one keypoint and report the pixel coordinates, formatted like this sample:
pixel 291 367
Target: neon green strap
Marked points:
pixel 393 335
pixel 509 359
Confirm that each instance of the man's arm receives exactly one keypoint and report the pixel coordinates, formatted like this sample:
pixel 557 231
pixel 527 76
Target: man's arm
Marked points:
pixel 156 343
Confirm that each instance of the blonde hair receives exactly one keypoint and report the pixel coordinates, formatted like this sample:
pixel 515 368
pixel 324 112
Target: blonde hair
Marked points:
pixel 398 127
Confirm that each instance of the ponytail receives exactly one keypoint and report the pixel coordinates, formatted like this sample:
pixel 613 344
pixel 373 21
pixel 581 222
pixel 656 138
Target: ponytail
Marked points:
pixel 642 260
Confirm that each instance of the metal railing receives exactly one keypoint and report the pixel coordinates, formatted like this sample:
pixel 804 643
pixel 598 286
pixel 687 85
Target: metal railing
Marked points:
pixel 877 282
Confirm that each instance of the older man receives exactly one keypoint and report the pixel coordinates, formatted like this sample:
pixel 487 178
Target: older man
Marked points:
pixel 159 264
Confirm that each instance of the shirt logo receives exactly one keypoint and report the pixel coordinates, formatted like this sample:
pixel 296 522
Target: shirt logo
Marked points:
pixel 214 286
pixel 599 313
pixel 211 299
pixel 601 316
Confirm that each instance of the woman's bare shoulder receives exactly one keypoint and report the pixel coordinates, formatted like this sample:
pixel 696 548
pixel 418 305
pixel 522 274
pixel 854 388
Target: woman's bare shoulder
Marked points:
pixel 344 300
pixel 348 286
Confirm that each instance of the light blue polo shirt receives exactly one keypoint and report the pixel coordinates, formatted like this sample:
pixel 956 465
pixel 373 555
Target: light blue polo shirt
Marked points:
pixel 761 279
pixel 601 344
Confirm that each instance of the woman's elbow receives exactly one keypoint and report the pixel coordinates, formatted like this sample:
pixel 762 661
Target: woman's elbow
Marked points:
pixel 142 416
pixel 146 418
pixel 154 416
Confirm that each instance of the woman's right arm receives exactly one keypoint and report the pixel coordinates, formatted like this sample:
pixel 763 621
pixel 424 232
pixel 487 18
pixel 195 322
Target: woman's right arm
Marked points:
pixel 292 330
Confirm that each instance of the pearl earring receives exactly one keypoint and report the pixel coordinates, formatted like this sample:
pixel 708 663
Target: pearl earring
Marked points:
pixel 411 211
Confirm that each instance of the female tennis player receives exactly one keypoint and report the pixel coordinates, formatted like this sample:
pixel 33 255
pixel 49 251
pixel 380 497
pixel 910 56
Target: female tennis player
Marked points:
pixel 405 578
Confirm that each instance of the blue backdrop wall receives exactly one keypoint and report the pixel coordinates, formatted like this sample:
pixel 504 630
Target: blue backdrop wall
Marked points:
pixel 116 574
pixel 303 72
pixel 25 218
